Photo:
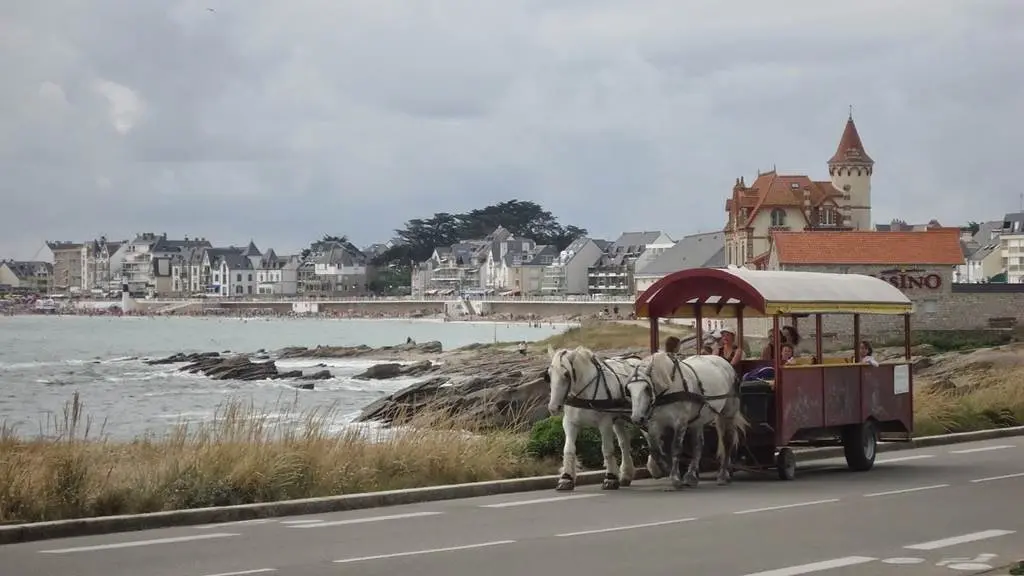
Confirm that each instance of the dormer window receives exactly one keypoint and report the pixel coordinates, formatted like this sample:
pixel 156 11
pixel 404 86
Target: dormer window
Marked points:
pixel 827 217
pixel 778 217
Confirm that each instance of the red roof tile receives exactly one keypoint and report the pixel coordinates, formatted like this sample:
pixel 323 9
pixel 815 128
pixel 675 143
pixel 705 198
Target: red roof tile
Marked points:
pixel 937 246
pixel 850 149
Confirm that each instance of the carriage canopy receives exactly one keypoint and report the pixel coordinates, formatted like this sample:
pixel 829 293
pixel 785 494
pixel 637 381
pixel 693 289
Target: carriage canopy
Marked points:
pixel 722 292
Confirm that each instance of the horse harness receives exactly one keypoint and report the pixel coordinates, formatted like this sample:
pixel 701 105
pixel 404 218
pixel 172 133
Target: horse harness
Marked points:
pixel 685 395
pixel 596 385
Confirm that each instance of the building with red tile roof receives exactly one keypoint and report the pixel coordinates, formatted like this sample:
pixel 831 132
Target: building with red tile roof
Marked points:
pixel 779 202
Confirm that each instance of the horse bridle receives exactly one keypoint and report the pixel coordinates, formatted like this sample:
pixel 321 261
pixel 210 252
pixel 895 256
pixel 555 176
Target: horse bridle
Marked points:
pixel 572 376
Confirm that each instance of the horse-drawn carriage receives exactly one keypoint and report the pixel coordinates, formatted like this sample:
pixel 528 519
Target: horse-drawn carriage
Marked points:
pixel 759 408
pixel 821 401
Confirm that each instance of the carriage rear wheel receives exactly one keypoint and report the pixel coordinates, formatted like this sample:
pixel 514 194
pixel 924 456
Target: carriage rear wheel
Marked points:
pixel 785 463
pixel 860 444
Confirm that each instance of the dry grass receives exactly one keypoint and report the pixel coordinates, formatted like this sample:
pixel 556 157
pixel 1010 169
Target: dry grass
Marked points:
pixel 243 456
pixel 610 335
pixel 993 399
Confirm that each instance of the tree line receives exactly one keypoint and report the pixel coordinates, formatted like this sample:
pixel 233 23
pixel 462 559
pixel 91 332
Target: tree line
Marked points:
pixel 524 219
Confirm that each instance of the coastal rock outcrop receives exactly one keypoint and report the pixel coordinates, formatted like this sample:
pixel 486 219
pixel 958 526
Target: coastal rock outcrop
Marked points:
pixel 181 357
pixel 394 370
pixel 432 347
pixel 498 388
pixel 240 367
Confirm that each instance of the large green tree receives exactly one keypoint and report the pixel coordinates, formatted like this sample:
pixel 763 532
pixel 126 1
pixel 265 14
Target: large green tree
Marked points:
pixel 522 218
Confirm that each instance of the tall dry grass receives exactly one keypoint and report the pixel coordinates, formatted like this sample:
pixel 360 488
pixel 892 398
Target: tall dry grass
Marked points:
pixel 244 455
pixel 992 400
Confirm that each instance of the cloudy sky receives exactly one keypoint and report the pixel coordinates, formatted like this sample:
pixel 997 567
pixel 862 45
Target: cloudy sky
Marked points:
pixel 284 119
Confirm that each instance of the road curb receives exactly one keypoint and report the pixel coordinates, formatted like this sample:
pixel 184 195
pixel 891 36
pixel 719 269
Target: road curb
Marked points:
pixel 126 523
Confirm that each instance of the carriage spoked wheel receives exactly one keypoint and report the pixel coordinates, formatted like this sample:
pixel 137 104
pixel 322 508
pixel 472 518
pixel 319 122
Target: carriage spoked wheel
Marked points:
pixel 785 463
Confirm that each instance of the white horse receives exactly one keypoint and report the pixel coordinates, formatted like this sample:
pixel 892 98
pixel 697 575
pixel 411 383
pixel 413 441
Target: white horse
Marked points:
pixel 592 391
pixel 670 395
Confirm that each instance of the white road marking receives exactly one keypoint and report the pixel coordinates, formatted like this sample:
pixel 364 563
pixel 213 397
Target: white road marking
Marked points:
pixel 236 523
pixel 963 539
pixel 785 506
pixel 245 572
pixel 904 458
pixel 133 543
pixel 293 522
pixel 982 449
pixel 903 561
pixel 429 551
pixel 816 566
pixel 538 501
pixel 619 528
pixel 365 520
pixel 906 490
pixel 1003 477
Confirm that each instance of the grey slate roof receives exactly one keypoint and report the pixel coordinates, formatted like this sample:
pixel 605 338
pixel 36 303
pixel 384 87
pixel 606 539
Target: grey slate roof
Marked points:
pixel 1013 223
pixel 634 242
pixel 694 251
pixel 540 252
pixel 25 269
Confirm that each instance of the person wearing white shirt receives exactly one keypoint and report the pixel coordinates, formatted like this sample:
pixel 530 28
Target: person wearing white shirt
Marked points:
pixel 867 353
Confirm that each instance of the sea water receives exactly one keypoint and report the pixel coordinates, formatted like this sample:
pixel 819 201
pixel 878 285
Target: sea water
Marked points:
pixel 45 359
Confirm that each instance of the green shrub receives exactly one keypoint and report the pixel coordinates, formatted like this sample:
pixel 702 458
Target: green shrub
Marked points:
pixel 547 440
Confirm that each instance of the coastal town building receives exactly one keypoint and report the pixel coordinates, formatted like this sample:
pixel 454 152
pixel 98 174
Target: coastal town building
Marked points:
pixel 982 256
pixel 148 260
pixel 277 275
pixel 335 268
pixel 694 251
pixel 29 277
pixel 780 202
pixel 87 266
pixel 1011 247
pixel 569 271
pixel 612 274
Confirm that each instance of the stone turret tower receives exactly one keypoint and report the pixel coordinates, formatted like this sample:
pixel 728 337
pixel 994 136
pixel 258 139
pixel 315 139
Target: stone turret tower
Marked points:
pixel 851 168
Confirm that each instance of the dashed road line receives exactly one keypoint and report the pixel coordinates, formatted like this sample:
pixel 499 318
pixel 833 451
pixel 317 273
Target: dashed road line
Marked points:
pixel 1003 477
pixel 962 539
pixel 904 458
pixel 245 572
pixel 134 543
pixel 295 522
pixel 982 449
pixel 816 566
pixel 427 551
pixel 621 528
pixel 538 501
pixel 787 506
pixel 906 490
pixel 366 520
pixel 252 522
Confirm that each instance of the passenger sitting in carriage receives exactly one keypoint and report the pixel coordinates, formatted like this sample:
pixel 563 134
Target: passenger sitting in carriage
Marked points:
pixel 728 349
pixel 788 335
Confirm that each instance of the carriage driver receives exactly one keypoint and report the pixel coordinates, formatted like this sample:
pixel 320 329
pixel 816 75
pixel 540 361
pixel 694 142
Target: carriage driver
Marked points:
pixel 672 345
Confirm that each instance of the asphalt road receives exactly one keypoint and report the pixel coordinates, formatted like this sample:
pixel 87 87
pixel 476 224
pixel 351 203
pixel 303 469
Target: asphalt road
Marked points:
pixel 943 510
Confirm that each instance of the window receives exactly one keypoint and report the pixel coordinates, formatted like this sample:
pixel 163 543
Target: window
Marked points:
pixel 778 217
pixel 238 277
pixel 250 277
pixel 238 289
pixel 827 217
pixel 250 289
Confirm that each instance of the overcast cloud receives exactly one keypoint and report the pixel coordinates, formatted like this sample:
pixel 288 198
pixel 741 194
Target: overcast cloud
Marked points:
pixel 281 120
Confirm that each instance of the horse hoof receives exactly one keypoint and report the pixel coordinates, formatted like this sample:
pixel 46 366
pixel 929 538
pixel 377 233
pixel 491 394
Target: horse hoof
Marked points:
pixel 690 482
pixel 565 485
pixel 610 485
pixel 625 481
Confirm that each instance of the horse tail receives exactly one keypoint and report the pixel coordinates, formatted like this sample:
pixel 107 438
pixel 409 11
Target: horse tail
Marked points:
pixel 731 430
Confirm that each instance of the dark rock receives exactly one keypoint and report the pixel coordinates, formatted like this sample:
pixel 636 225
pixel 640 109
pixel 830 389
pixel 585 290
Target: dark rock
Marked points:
pixel 319 375
pixel 181 358
pixel 394 369
pixel 232 368
pixel 289 374
pixel 303 385
pixel 432 347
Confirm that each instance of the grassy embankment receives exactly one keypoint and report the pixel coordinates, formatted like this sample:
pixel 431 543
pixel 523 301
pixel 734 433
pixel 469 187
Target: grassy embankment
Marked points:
pixel 243 456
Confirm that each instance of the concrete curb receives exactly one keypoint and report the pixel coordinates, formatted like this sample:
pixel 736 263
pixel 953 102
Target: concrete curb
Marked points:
pixel 125 523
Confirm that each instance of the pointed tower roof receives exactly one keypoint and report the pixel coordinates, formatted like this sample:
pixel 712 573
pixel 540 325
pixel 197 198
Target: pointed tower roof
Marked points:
pixel 850 150
pixel 251 249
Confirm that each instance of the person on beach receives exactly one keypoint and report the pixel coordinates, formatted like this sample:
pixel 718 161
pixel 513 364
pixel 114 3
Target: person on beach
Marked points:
pixel 522 347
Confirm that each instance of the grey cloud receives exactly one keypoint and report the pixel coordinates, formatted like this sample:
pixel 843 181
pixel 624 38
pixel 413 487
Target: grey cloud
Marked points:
pixel 280 121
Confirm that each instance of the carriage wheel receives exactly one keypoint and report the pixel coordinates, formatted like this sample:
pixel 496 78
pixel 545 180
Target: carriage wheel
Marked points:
pixel 860 444
pixel 785 463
